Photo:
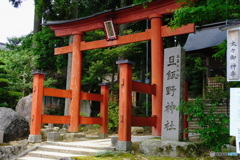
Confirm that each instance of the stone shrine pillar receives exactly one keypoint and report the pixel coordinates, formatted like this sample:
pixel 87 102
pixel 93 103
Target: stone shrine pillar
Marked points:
pixel 173 89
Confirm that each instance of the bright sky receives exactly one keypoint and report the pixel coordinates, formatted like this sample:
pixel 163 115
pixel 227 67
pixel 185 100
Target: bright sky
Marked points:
pixel 15 22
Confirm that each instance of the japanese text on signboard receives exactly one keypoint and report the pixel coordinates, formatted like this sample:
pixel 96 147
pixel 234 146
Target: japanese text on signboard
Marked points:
pixel 232 55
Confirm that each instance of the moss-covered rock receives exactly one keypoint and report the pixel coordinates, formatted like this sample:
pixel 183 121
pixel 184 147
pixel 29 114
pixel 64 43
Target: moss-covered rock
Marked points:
pixel 157 147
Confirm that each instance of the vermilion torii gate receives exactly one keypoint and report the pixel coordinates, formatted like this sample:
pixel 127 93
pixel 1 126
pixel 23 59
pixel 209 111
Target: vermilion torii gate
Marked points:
pixel 76 28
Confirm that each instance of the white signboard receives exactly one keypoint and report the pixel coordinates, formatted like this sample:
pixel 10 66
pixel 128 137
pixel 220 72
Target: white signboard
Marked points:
pixel 234 111
pixel 233 48
pixel 172 91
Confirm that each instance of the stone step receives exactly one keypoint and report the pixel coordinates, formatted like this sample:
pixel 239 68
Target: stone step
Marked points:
pixel 104 144
pixel 33 158
pixel 56 150
pixel 52 155
pixel 72 150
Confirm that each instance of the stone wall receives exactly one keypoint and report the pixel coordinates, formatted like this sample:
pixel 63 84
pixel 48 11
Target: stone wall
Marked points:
pixel 11 151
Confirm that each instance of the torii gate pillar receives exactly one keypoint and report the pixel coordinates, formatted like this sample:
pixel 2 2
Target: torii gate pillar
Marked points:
pixel 75 86
pixel 157 71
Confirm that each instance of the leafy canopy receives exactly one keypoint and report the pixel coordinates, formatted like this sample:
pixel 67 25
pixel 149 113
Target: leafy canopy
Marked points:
pixel 205 11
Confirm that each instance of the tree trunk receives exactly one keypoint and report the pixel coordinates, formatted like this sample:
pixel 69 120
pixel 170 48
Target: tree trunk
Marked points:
pixel 37 20
pixel 69 66
pixel 122 26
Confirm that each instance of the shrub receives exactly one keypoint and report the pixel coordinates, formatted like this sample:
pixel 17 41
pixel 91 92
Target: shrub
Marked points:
pixel 214 131
pixel 3 82
pixel 113 116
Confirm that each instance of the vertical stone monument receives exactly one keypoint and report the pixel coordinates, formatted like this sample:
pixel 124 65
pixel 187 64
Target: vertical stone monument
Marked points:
pixel 173 88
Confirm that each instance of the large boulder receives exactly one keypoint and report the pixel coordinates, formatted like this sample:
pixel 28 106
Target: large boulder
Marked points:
pixel 13 125
pixel 24 107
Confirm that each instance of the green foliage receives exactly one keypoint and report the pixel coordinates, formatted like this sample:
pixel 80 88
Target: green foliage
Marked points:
pixel 13 98
pixel 3 82
pixel 94 35
pixel 19 64
pixel 195 70
pixel 143 2
pixel 27 42
pixel 88 7
pixel 54 111
pixel 15 71
pixel 142 108
pixel 45 42
pixel 55 66
pixel 2 63
pixel 8 98
pixel 214 131
pixel 54 10
pixel 20 43
pixel 50 82
pixel 3 70
pixel 113 116
pixel 218 95
pixel 221 50
pixel 205 11
pixel 65 9
pixel 13 42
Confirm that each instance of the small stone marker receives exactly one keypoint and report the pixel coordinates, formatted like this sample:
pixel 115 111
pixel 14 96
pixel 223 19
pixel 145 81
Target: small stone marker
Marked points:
pixel 53 136
pixel 173 87
pixel 114 141
pixel 1 136
pixel 50 125
pixel 35 138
